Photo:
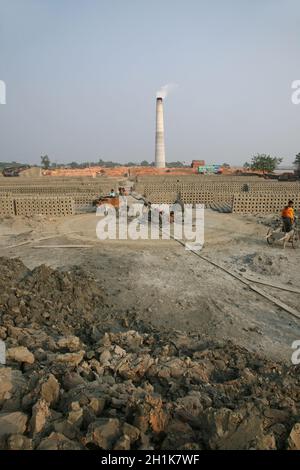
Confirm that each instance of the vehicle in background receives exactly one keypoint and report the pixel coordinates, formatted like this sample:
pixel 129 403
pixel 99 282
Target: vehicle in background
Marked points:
pixel 210 169
pixel 282 177
pixel 14 170
pixel 288 177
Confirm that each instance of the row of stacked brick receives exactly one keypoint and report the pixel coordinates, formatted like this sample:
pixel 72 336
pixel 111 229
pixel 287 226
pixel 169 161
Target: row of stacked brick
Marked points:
pixel 56 190
pixel 171 181
pixel 263 203
pixel 6 205
pixel 230 187
pixel 205 197
pixel 222 190
pixel 194 177
pixel 80 198
pixel 193 189
pixel 56 197
pixel 29 206
pixel 265 199
pixel 52 180
pixel 163 197
pixel 52 196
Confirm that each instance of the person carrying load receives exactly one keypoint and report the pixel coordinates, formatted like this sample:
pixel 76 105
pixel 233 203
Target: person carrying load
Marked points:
pixel 288 216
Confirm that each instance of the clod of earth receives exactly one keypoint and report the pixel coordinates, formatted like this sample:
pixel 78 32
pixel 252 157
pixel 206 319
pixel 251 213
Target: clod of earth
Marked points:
pixel 77 378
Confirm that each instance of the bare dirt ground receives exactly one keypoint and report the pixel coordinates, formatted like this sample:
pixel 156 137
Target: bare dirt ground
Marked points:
pixel 161 283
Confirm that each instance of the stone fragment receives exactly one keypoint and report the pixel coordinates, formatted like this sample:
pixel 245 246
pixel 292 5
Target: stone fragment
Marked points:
pixel 50 390
pixel 132 432
pixel 72 343
pixel 294 438
pixel 123 443
pixel 12 382
pixel 103 432
pixel 57 441
pixel 19 442
pixel 40 413
pixel 13 423
pixel 19 354
pixel 72 359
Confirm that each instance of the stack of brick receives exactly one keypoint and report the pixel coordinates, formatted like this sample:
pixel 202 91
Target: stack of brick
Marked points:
pixel 49 206
pixel 163 197
pixel 264 203
pixel 6 205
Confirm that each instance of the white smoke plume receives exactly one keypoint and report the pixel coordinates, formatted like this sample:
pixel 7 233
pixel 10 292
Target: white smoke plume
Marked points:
pixel 164 91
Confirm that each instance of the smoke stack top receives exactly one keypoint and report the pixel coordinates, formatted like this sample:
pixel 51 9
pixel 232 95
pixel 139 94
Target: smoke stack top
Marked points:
pixel 164 91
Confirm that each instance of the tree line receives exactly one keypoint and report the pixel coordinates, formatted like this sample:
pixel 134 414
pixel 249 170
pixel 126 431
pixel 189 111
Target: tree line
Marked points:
pixel 47 164
pixel 267 164
pixel 259 162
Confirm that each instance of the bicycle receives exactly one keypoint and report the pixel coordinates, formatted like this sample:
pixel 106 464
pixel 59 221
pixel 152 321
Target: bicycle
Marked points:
pixel 277 233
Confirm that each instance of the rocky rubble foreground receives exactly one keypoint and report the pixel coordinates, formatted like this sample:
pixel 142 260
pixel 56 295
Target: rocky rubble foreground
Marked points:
pixel 78 376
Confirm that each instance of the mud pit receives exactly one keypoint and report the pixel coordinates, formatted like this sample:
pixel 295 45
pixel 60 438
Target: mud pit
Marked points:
pixel 166 345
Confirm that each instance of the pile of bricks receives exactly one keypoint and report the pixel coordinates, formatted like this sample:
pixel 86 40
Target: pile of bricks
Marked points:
pixel 245 195
pixel 263 203
pixel 163 197
pixel 53 196
pixel 33 189
pixel 205 197
pixel 6 206
pixel 61 196
pixel 49 206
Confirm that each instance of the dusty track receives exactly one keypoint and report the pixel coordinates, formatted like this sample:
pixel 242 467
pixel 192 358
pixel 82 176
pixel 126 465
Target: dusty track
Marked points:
pixel 161 283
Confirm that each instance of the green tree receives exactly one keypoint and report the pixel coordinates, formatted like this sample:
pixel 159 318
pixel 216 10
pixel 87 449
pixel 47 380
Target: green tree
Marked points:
pixel 297 162
pixel 45 160
pixel 247 165
pixel 264 162
pixel 144 163
pixel 177 164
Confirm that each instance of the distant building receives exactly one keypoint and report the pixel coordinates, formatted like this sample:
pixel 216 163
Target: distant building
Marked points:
pixel 197 163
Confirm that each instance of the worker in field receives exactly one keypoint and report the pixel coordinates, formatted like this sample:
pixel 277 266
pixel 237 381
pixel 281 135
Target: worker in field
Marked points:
pixel 288 216
pixel 112 193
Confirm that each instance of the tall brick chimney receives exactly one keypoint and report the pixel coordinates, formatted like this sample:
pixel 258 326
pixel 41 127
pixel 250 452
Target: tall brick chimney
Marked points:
pixel 160 159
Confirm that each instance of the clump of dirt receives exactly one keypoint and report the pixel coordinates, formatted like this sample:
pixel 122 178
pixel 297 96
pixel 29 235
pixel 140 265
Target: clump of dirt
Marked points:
pixel 79 377
pixel 268 220
pixel 57 300
pixel 261 263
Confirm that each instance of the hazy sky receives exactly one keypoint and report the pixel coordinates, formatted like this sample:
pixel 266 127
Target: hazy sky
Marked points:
pixel 82 75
